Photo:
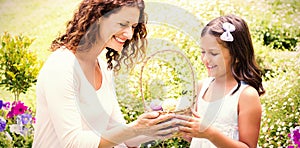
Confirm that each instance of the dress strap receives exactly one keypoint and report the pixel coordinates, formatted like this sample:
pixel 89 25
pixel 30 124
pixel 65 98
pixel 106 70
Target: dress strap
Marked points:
pixel 205 85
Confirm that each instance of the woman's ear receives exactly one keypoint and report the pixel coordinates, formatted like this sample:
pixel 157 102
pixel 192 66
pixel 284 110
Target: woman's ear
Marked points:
pixel 99 21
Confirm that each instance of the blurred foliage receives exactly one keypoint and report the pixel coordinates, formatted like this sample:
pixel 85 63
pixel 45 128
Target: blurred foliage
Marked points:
pixel 281 103
pixel 280 28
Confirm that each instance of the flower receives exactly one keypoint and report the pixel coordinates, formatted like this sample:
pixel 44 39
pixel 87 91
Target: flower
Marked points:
pixel 4 105
pixel 16 122
pixel 15 128
pixel 2 124
pixel 19 108
pixel 25 118
pixel 295 136
pixel 1 104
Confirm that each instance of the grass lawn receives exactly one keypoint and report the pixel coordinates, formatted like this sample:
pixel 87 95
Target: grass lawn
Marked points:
pixel 42 20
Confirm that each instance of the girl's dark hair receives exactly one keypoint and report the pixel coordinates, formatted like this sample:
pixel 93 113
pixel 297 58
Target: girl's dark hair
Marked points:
pixel 82 31
pixel 243 64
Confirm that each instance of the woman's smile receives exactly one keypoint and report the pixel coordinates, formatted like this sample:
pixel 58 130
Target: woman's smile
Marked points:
pixel 119 40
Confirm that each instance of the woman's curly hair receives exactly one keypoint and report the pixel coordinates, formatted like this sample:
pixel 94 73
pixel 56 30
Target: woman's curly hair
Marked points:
pixel 82 31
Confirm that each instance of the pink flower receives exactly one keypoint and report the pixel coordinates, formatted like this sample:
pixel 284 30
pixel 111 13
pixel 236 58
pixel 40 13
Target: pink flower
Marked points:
pixel 19 108
pixel 10 114
pixel 33 120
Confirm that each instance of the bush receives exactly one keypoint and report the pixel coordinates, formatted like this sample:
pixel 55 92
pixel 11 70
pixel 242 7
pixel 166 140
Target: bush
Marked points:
pixel 281 103
pixel 278 29
pixel 18 66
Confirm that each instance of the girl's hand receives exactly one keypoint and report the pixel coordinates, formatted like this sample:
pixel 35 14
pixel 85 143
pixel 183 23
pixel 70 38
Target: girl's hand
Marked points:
pixel 192 127
pixel 155 124
pixel 187 138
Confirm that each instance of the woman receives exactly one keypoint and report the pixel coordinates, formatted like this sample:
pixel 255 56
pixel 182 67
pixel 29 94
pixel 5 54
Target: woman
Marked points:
pixel 76 100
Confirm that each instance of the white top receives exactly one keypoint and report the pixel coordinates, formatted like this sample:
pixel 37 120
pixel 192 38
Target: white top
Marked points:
pixel 69 111
pixel 221 114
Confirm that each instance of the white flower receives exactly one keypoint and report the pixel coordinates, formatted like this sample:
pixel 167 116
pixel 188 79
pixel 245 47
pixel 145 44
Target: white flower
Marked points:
pixel 8 137
pixel 15 128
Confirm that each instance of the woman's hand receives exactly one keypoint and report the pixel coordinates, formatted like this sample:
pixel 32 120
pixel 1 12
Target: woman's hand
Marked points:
pixel 155 124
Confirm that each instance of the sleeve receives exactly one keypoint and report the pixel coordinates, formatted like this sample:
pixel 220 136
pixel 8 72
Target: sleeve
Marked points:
pixel 61 92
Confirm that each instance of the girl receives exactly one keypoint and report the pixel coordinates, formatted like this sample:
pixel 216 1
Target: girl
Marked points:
pixel 228 111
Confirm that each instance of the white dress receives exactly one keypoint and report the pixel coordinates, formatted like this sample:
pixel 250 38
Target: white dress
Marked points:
pixel 69 111
pixel 221 114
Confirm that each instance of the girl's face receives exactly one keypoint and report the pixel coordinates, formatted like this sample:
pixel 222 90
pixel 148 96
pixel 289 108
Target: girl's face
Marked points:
pixel 118 27
pixel 215 57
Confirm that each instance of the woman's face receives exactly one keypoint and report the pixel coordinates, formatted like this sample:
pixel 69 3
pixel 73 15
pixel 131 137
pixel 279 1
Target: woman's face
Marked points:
pixel 118 27
pixel 215 57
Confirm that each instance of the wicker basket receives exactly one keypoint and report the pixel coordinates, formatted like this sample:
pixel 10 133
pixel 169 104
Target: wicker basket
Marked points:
pixel 191 72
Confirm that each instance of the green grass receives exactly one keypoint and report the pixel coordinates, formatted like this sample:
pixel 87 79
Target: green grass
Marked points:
pixel 42 20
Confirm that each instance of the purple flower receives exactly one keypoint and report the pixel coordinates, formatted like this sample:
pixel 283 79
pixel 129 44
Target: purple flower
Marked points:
pixel 6 105
pixel 24 131
pixel 25 118
pixel 1 104
pixel 2 124
pixel 295 135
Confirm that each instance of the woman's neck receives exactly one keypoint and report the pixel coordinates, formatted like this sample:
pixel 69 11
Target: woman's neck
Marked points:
pixel 88 56
pixel 90 66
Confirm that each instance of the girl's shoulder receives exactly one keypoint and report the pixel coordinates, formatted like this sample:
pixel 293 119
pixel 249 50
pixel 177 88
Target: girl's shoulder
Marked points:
pixel 249 98
pixel 249 92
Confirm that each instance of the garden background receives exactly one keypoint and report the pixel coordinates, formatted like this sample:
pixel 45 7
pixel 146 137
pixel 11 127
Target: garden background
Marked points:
pixel 275 28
